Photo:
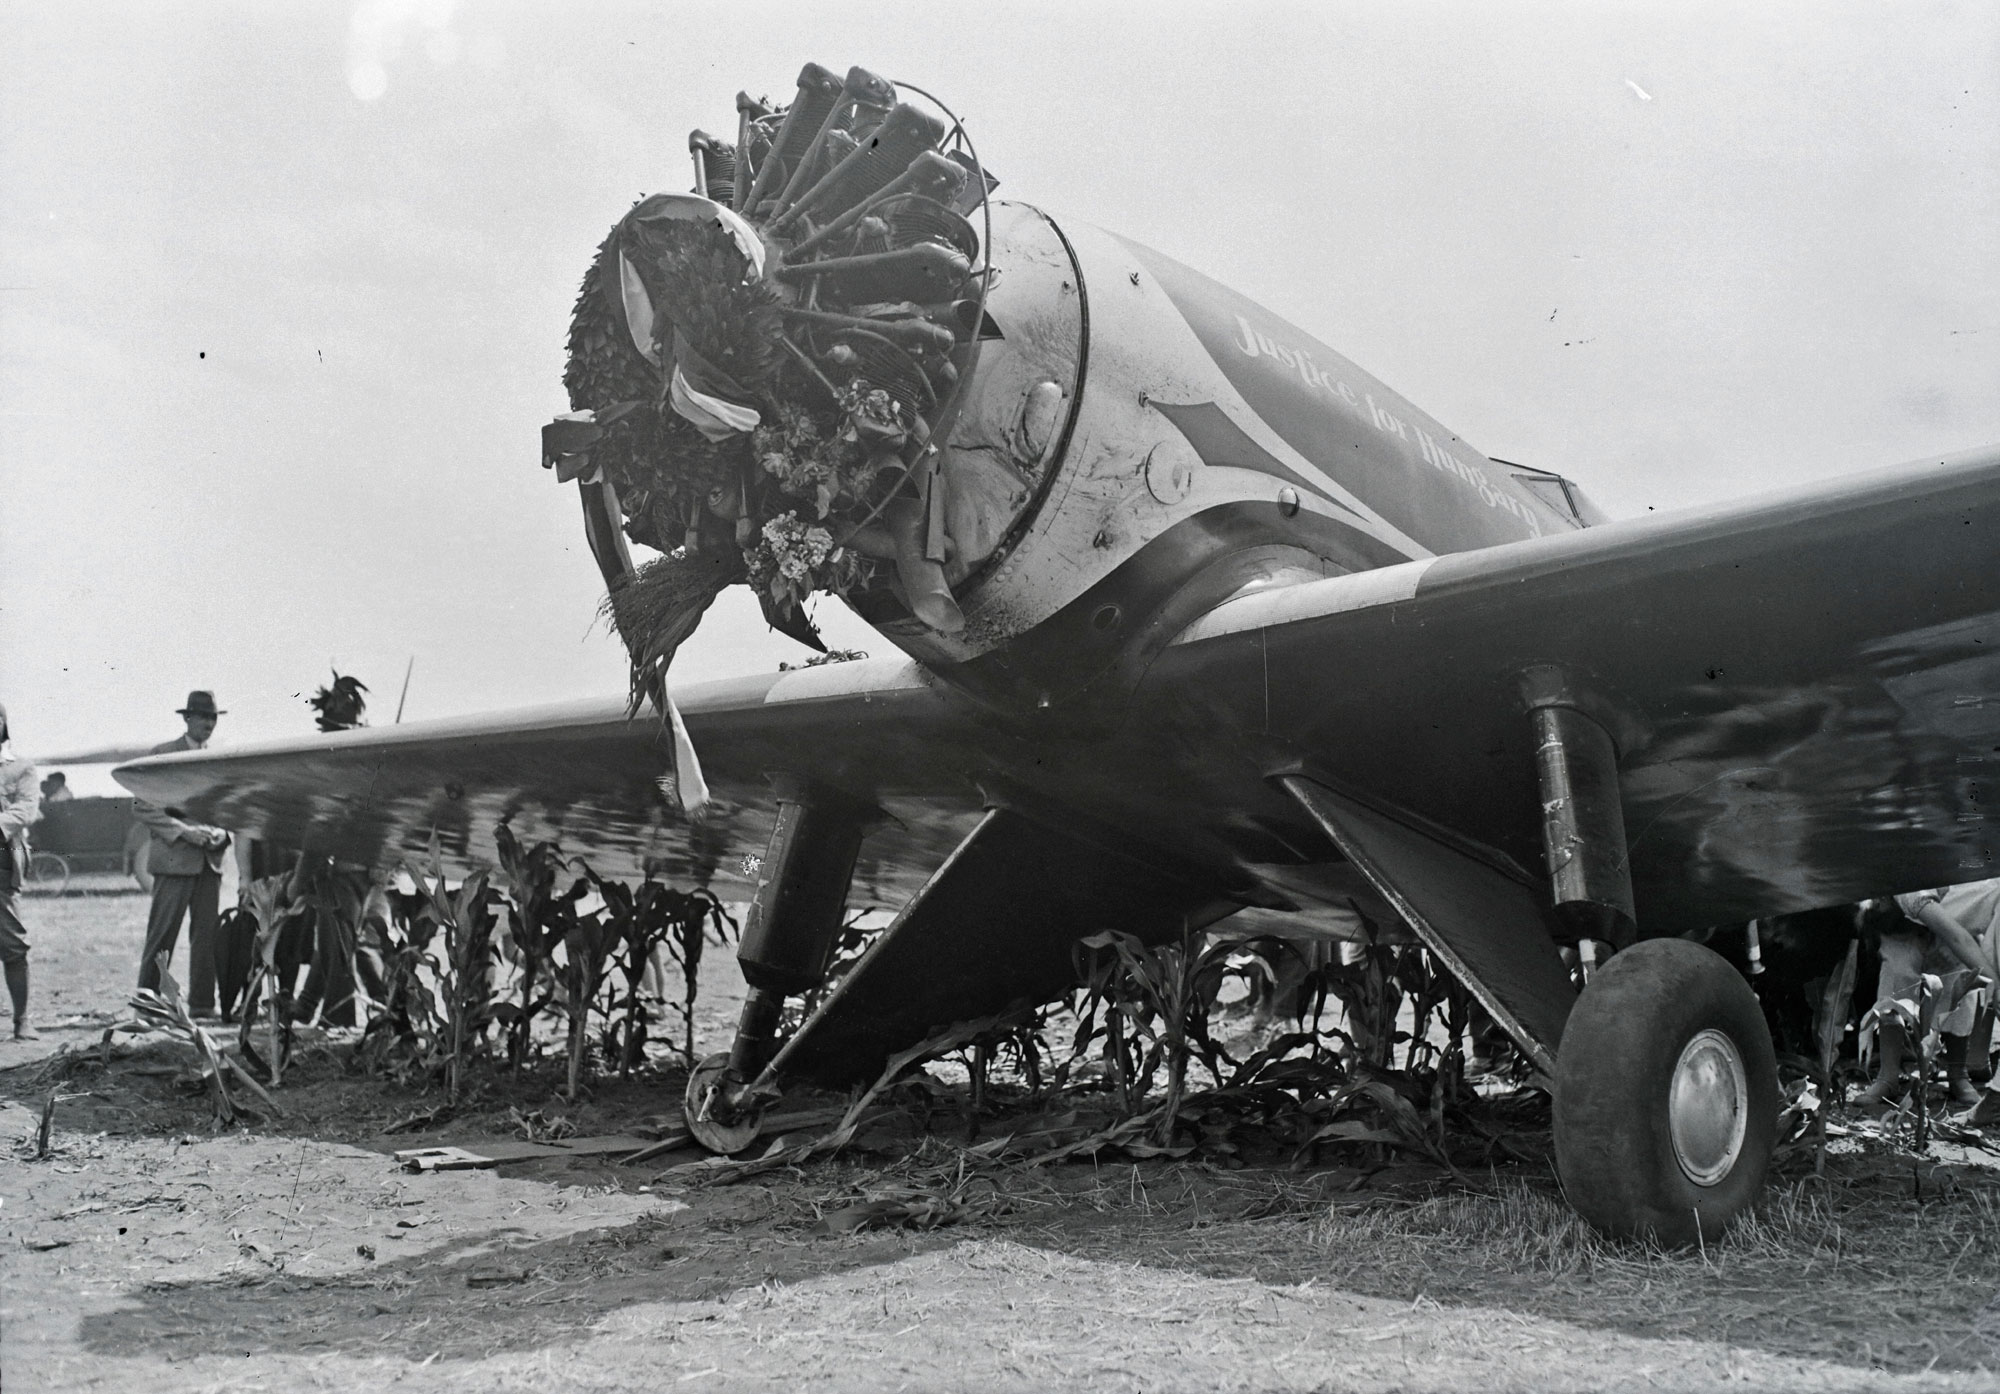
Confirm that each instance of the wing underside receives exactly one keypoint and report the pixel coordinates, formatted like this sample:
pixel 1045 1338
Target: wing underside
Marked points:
pixel 598 783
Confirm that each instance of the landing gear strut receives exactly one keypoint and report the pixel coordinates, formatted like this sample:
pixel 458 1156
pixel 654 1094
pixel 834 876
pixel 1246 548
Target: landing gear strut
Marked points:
pixel 1583 814
pixel 787 940
pixel 1666 1086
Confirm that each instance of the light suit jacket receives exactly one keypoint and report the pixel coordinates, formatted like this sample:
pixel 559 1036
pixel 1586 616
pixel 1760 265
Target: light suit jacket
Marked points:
pixel 177 849
pixel 20 807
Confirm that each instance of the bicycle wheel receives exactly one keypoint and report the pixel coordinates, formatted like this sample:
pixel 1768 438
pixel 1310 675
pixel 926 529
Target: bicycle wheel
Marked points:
pixel 48 874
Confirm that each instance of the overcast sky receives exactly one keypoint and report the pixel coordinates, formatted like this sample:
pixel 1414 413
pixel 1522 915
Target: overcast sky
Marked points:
pixel 285 287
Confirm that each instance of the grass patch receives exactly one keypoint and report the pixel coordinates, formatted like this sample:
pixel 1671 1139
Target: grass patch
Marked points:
pixel 1854 1268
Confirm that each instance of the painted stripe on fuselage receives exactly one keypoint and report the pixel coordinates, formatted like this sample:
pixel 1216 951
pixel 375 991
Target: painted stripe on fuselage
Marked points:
pixel 1099 645
pixel 1242 440
pixel 1220 441
pixel 1366 441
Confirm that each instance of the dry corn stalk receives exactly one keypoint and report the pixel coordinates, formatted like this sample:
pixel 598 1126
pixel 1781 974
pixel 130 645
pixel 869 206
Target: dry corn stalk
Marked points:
pixel 166 1010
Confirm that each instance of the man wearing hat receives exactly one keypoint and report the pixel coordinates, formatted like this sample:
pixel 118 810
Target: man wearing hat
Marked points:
pixel 186 862
pixel 20 806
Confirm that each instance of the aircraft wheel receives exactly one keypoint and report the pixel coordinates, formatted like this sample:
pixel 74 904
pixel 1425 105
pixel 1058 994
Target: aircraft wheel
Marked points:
pixel 711 1118
pixel 1666 1105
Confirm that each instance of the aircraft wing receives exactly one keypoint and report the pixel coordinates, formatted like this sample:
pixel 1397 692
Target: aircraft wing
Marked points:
pixel 1805 690
pixel 588 776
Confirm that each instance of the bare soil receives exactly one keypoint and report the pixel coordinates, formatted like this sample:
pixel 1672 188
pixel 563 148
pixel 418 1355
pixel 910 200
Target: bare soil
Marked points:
pixel 150 1251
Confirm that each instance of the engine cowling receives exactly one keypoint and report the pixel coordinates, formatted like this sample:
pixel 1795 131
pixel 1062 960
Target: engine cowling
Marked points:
pixel 1137 443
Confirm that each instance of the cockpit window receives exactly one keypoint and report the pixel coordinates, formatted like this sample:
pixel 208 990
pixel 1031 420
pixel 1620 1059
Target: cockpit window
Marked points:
pixel 1558 493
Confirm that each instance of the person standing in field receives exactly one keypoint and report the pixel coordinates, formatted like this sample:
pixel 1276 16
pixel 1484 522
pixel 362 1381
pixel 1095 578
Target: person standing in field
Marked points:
pixel 20 806
pixel 1947 935
pixel 1964 920
pixel 185 859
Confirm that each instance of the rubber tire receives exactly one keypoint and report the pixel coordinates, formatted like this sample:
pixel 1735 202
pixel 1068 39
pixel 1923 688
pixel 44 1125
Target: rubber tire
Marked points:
pixel 48 873
pixel 1614 1150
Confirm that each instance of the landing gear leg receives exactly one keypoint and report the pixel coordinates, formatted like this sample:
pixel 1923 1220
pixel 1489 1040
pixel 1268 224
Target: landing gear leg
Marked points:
pixel 1666 1086
pixel 787 940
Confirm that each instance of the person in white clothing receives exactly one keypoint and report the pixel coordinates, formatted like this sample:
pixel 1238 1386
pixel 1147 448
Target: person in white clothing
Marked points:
pixel 20 806
pixel 1955 931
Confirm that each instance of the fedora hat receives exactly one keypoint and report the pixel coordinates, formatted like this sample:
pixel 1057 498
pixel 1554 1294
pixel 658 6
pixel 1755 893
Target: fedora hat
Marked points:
pixel 200 703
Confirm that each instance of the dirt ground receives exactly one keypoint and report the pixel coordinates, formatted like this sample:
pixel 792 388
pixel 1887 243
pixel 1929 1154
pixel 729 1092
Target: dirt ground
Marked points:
pixel 149 1251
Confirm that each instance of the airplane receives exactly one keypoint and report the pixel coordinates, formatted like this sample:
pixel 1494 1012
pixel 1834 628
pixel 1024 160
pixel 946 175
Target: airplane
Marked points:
pixel 1225 627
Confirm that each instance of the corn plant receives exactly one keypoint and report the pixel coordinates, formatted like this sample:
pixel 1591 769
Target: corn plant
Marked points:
pixel 631 948
pixel 1155 1004
pixel 1097 1016
pixel 639 924
pixel 1829 1025
pixel 466 920
pixel 1023 1040
pixel 587 942
pixel 683 922
pixel 538 920
pixel 1018 1032
pixel 1369 989
pixel 407 1028
pixel 275 909
pixel 164 1009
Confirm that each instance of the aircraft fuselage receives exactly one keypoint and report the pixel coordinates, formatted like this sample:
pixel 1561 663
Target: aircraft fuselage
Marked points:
pixel 1138 443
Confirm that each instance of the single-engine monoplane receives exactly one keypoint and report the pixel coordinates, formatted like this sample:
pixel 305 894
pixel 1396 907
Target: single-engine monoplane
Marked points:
pixel 1196 619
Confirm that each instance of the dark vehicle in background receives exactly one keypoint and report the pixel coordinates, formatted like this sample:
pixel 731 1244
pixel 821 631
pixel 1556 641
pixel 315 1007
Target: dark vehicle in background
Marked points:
pixel 80 836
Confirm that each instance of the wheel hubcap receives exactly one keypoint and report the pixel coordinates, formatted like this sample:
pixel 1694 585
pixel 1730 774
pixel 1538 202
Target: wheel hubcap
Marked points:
pixel 1708 1107
pixel 711 1116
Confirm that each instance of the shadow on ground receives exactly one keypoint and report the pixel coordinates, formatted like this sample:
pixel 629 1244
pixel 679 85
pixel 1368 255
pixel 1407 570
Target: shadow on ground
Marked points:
pixel 479 1296
pixel 1851 1269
